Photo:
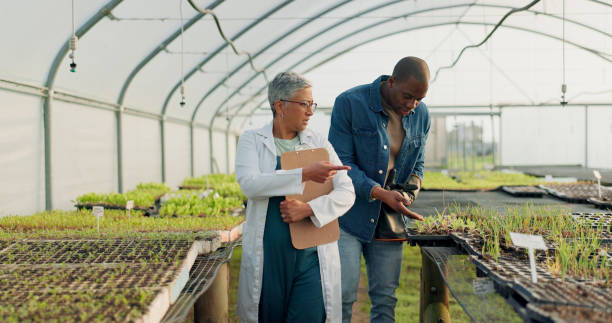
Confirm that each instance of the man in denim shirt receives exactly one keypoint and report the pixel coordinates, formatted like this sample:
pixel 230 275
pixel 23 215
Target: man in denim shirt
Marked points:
pixel 375 128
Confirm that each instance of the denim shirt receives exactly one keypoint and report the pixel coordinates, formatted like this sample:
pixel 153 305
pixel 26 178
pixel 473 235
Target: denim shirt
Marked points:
pixel 359 135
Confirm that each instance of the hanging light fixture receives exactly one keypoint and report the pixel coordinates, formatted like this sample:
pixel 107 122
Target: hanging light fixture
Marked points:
pixel 182 102
pixel 73 44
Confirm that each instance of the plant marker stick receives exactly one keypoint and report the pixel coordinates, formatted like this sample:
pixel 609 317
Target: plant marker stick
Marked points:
pixel 530 242
pixel 598 176
pixel 534 274
pixel 129 205
pixel 98 211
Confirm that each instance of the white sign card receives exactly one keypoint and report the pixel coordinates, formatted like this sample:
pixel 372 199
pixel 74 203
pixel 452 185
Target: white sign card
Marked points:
pixel 129 205
pixel 98 211
pixel 530 242
pixel 482 285
pixel 527 241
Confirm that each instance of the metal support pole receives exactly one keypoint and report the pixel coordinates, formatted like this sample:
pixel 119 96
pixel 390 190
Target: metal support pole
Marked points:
pixel 162 126
pixel 210 148
pixel 227 152
pixel 447 140
pixel 586 136
pixel 48 150
pixel 464 146
pixel 482 145
pixel 213 305
pixel 493 146
pixel 50 85
pixel 501 137
pixel 119 134
pixel 473 146
pixel 191 136
pixel 456 143
pixel 434 293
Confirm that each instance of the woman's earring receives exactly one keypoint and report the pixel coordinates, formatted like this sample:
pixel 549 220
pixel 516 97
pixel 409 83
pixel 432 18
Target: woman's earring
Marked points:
pixel 281 115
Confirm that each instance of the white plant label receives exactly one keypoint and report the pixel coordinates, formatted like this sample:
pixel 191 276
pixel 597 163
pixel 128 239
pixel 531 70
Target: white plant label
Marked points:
pixel 598 176
pixel 482 285
pixel 527 241
pixel 98 211
pixel 129 205
pixel 530 242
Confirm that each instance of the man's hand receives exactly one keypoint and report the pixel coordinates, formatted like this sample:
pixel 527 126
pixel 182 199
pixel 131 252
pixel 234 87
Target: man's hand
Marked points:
pixel 396 200
pixel 321 172
pixel 294 211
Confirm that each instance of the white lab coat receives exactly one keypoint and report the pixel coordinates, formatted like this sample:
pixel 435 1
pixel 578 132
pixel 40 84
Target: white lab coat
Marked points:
pixel 257 175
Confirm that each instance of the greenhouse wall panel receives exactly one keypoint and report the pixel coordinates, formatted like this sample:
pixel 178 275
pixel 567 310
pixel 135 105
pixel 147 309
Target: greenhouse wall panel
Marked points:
pixel 141 151
pixel 219 164
pixel 202 152
pixel 600 132
pixel 542 136
pixel 84 152
pixel 177 153
pixel 22 158
pixel 233 141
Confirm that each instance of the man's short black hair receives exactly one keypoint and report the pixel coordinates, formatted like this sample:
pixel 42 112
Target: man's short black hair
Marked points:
pixel 411 67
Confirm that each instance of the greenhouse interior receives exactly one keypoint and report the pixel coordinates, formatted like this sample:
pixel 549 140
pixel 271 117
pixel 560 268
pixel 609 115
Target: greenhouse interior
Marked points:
pixel 132 149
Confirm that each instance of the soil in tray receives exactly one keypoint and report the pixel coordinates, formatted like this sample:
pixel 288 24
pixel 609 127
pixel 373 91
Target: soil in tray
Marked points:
pixel 95 251
pixel 524 191
pixel 578 191
pixel 86 277
pixel 595 220
pixel 84 306
pixel 577 314
pixel 514 262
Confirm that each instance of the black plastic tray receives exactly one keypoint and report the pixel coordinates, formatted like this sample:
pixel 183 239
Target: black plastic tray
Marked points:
pixel 517 192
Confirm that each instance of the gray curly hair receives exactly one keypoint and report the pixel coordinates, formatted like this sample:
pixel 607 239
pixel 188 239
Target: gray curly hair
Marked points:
pixel 283 87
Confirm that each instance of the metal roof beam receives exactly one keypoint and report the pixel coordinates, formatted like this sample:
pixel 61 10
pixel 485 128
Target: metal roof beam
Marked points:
pixel 48 100
pixel 389 20
pixel 409 30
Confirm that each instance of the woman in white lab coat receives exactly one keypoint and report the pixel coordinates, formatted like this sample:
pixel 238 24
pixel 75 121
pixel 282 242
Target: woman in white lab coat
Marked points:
pixel 279 283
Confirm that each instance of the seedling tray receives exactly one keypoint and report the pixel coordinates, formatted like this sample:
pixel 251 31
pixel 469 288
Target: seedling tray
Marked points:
pixel 595 220
pixel 565 313
pixel 35 252
pixel 603 203
pixel 77 306
pixel 512 271
pixel 201 276
pixel 523 191
pixel 429 240
pixel 92 280
pixel 150 211
pixel 576 193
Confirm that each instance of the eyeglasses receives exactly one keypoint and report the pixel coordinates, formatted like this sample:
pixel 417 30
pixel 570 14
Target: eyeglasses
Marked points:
pixel 305 105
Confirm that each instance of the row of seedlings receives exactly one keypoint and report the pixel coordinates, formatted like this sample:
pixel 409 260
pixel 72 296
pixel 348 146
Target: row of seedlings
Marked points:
pixel 476 181
pixel 60 266
pixel 575 271
pixel 145 197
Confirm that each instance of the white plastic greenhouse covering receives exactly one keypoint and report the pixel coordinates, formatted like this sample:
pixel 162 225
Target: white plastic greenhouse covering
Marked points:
pixel 117 121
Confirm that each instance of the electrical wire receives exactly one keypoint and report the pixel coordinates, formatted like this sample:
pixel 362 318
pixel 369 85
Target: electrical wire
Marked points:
pixel 563 85
pixel 72 17
pixel 182 102
pixel 228 41
pixel 511 12
pixel 601 2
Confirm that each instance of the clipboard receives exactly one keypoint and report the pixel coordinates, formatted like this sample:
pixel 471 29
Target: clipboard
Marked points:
pixel 305 234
